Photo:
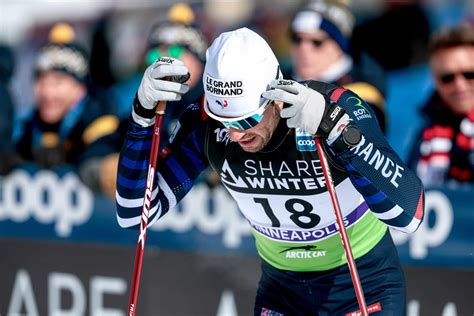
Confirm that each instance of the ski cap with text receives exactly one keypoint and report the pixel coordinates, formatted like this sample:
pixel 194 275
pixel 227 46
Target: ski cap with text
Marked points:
pixel 240 65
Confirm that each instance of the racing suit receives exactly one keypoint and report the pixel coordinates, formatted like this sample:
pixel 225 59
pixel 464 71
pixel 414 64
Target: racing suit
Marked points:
pixel 282 193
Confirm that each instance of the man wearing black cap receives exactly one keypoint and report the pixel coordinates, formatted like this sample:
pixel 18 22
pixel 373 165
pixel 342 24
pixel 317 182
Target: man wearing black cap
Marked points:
pixel 256 130
pixel 67 125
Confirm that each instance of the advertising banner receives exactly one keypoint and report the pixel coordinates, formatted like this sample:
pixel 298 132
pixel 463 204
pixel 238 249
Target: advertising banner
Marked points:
pixel 55 278
pixel 63 253
pixel 47 205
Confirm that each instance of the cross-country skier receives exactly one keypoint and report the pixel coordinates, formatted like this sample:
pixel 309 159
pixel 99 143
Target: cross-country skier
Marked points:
pixel 256 130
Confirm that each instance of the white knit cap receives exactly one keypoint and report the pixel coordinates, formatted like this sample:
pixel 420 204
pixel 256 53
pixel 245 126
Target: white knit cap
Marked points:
pixel 240 65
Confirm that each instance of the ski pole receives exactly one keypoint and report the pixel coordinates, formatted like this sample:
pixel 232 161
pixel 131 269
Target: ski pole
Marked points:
pixel 342 229
pixel 137 268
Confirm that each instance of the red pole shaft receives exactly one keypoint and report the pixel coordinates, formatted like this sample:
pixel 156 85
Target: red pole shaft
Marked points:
pixel 137 267
pixel 342 230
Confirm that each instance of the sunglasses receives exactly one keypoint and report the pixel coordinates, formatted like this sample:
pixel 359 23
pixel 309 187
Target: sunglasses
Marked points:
pixel 174 51
pixel 449 77
pixel 317 42
pixel 246 122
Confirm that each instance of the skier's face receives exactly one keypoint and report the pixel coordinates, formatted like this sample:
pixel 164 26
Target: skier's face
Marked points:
pixel 254 139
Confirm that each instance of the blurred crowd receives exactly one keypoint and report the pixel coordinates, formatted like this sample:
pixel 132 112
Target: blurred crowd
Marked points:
pixel 75 99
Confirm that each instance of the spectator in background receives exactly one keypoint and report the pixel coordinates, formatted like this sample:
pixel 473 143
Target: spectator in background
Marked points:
pixel 321 34
pixel 179 38
pixel 8 156
pixel 68 125
pixel 444 150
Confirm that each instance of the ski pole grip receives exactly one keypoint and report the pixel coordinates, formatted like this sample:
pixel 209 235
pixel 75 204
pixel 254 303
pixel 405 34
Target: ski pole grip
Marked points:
pixel 160 108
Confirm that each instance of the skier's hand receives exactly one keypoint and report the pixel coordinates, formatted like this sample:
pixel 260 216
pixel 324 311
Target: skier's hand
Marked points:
pixel 308 108
pixel 162 81
pixel 307 105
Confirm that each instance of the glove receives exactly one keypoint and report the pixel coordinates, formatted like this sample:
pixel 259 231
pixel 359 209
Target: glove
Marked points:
pixel 162 81
pixel 308 107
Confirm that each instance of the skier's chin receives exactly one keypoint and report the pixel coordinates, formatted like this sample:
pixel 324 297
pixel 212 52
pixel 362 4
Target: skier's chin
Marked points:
pixel 252 144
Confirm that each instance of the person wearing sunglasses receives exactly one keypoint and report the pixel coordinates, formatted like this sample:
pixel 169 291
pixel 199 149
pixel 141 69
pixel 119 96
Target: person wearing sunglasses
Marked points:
pixel 443 150
pixel 178 37
pixel 320 34
pixel 255 129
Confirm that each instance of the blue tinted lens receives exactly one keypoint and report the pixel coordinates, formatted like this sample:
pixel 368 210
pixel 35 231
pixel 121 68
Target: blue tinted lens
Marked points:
pixel 245 123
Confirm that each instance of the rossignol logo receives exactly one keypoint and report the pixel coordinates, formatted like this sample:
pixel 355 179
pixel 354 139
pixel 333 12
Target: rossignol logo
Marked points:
pixel 221 88
pixel 304 141
pixel 361 111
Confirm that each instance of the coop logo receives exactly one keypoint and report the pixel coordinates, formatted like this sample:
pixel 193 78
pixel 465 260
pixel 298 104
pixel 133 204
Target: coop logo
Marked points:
pixel 304 141
pixel 46 198
pixel 361 112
